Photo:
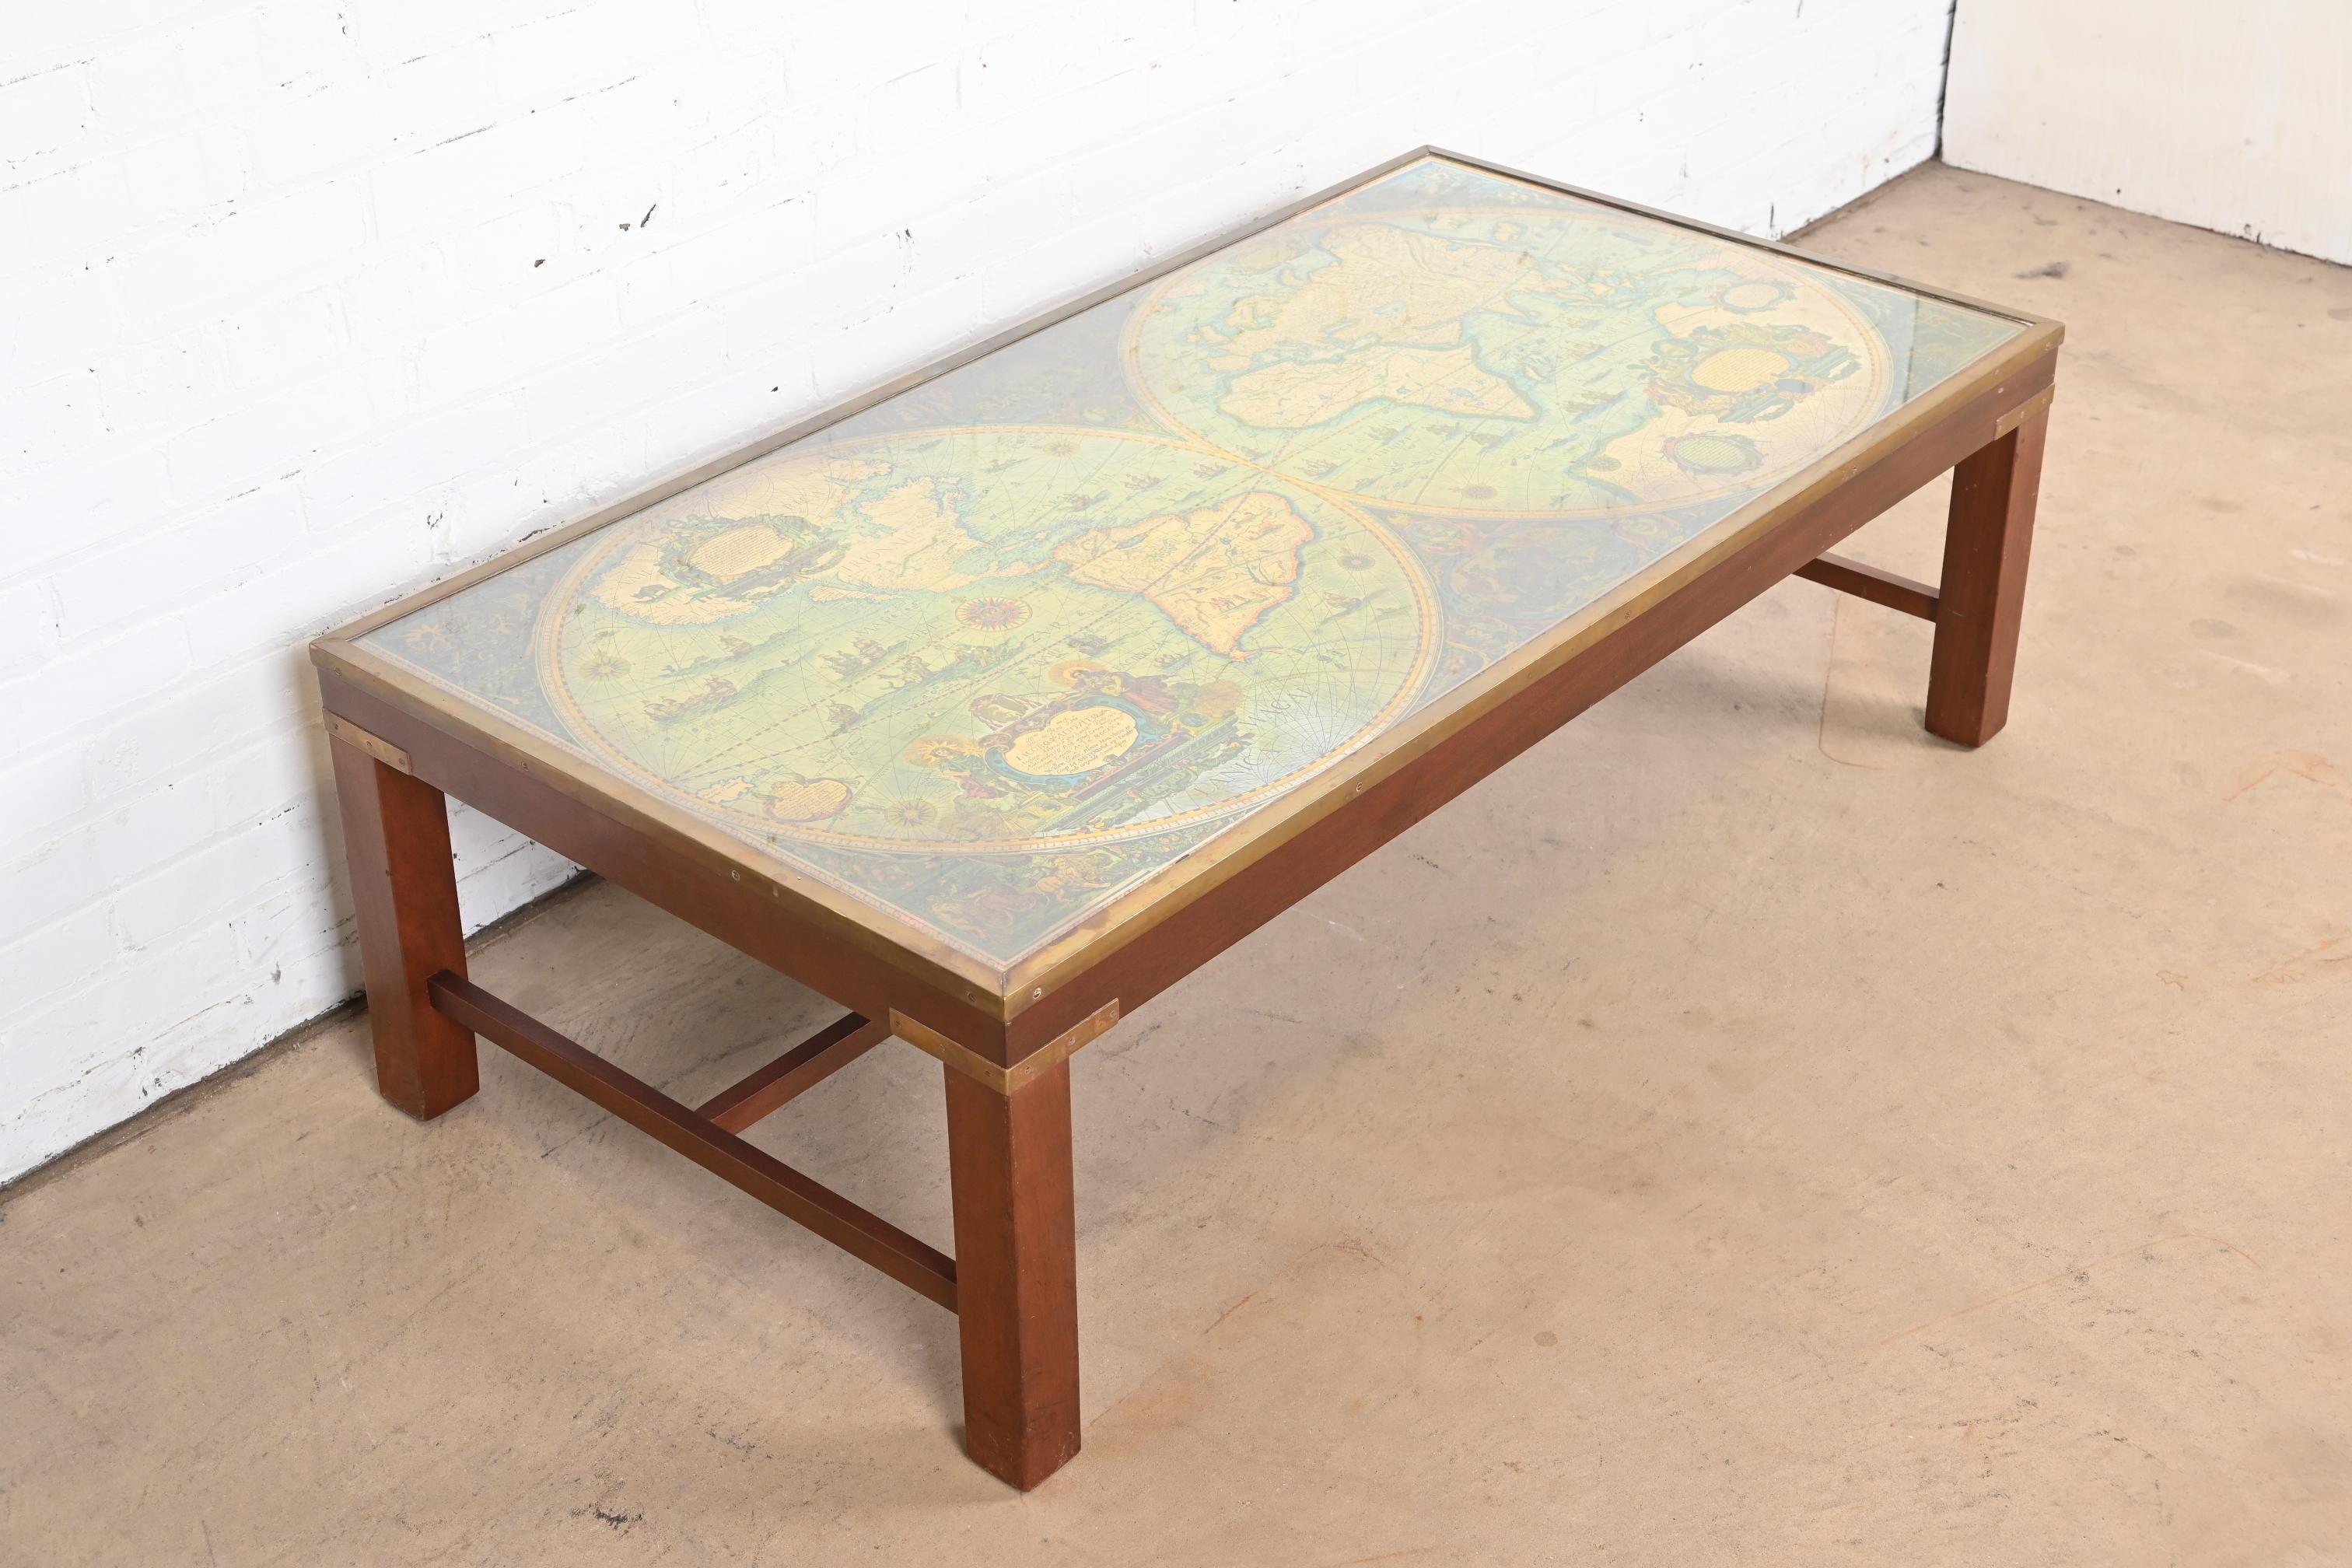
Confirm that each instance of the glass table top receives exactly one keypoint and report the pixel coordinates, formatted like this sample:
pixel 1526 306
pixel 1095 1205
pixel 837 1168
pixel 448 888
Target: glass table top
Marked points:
pixel 989 654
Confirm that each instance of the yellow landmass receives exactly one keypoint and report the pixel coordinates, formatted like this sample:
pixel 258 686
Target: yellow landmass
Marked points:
pixel 1288 396
pixel 917 541
pixel 636 582
pixel 637 585
pixel 1213 572
pixel 1743 367
pixel 1392 301
pixel 739 550
pixel 920 540
pixel 1394 284
pixel 810 489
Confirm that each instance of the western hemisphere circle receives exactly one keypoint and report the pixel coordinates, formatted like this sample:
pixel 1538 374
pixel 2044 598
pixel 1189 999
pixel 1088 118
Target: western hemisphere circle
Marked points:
pixel 977 638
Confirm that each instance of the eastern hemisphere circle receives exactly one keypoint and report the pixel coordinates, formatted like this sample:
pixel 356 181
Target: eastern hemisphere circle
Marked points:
pixel 1506 361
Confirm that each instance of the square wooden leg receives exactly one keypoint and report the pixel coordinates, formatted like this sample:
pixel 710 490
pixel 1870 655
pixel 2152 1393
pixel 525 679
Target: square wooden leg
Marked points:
pixel 1016 1273
pixel 396 837
pixel 1982 597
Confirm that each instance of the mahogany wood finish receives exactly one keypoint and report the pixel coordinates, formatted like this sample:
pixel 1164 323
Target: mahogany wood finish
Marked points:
pixel 398 748
pixel 802 1068
pixel 405 890
pixel 1983 600
pixel 1017 1283
pixel 1897 593
pixel 862 1235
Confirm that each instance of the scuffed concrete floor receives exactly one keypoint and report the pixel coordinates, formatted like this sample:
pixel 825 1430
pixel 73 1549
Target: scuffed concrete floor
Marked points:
pixel 1744 1130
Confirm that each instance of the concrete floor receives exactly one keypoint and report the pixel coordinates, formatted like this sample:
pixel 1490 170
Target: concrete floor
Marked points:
pixel 1744 1130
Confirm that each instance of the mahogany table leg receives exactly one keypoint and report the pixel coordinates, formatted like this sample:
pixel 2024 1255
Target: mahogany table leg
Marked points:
pixel 1982 596
pixel 1016 1273
pixel 397 835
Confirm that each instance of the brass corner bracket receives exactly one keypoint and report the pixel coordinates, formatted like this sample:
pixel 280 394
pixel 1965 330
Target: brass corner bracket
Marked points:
pixel 1004 1081
pixel 2025 411
pixel 376 746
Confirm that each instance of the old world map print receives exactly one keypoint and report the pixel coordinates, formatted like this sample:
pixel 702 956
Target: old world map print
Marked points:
pixel 994 651
pixel 1005 635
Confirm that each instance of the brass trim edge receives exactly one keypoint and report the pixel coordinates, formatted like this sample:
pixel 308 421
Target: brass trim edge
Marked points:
pixel 376 746
pixel 1004 1081
pixel 2025 411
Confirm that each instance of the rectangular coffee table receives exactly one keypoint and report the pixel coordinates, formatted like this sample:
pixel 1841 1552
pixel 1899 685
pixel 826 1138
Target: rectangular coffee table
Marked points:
pixel 997 702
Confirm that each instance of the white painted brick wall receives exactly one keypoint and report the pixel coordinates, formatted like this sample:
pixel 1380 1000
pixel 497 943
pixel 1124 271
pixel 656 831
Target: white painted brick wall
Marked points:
pixel 305 304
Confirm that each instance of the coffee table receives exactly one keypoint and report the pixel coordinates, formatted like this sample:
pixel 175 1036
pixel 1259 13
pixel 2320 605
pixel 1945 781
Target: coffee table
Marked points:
pixel 995 703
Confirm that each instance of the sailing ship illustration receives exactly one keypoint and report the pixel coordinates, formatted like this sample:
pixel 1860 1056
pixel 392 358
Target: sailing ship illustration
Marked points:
pixel 717 692
pixel 862 655
pixel 968 659
pixel 731 649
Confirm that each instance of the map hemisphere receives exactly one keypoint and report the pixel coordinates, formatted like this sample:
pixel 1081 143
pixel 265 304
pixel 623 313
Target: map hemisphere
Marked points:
pixel 1459 359
pixel 997 636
